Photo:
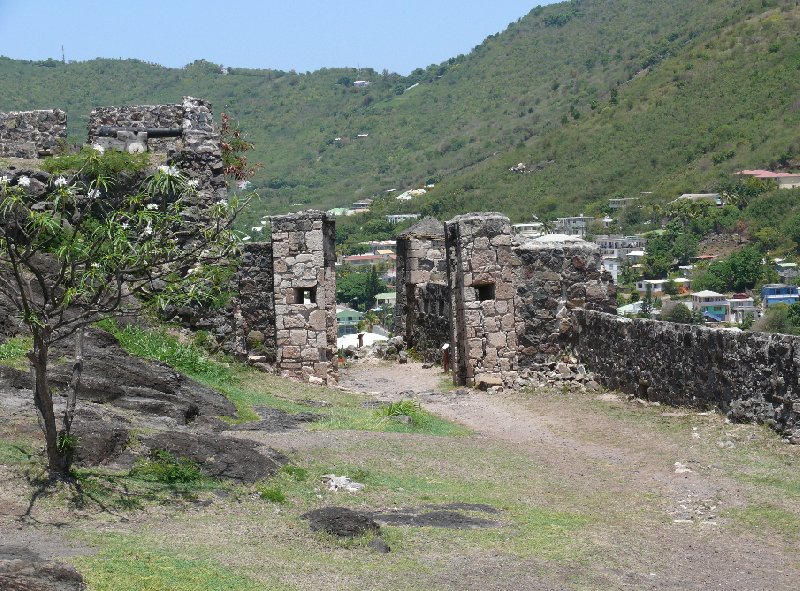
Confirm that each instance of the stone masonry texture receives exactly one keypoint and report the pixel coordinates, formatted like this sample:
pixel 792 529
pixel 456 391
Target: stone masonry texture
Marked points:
pixel 421 259
pixel 751 376
pixel 32 134
pixel 483 322
pixel 305 295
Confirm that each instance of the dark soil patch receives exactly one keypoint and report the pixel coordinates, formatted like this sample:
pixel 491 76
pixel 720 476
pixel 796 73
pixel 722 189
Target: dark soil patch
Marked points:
pixel 219 456
pixel 29 575
pixel 341 522
pixel 466 507
pixel 275 420
pixel 439 518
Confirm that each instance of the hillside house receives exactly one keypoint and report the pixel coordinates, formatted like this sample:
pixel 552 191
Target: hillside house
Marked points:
pixel 784 180
pixel 573 226
pixel 613 265
pixel 347 320
pixel 714 198
pixel 712 305
pixel 398 218
pixel 787 271
pixel 622 203
pixel 617 246
pixel 779 293
pixel 657 285
pixel 386 299
pixel 742 307
pixel 529 230
pixel 361 83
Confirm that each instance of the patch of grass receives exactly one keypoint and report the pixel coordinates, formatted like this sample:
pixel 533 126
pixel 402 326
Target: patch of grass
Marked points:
pixel 162 346
pixel 13 352
pixel 405 408
pixel 12 452
pixel 767 520
pixel 128 564
pixel 164 467
pixel 295 473
pixel 246 387
pixel 109 164
pixel 271 493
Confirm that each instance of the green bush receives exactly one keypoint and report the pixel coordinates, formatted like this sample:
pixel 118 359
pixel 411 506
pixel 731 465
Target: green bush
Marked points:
pixel 164 467
pixel 405 408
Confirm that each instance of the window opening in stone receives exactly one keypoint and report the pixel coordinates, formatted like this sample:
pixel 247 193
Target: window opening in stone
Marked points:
pixel 305 295
pixel 484 292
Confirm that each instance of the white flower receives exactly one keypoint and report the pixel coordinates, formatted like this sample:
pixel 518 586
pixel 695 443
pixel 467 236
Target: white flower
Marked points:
pixel 193 184
pixel 246 238
pixel 222 202
pixel 24 181
pixel 4 180
pixel 93 194
pixel 152 206
pixel 148 230
pixel 60 182
pixel 124 225
pixel 98 148
pixel 168 170
pixel 96 265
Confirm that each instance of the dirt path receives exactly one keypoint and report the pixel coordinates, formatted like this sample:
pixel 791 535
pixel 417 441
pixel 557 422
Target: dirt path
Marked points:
pixel 693 546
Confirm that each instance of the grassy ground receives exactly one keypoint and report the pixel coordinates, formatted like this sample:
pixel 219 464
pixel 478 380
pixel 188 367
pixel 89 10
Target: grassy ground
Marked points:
pixel 584 491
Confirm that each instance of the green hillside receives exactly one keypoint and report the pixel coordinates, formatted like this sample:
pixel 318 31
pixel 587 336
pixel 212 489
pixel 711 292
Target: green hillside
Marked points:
pixel 597 97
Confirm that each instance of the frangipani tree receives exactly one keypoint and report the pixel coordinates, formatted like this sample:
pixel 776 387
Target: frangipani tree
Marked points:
pixel 87 249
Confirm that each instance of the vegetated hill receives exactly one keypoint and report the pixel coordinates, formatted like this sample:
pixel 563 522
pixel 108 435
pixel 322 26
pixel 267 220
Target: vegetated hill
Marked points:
pixel 610 96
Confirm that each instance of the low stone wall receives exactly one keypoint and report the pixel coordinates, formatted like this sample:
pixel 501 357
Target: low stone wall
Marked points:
pixel 32 134
pixel 749 375
pixel 431 324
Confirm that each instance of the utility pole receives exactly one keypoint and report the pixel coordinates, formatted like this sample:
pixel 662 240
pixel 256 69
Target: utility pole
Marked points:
pixel 63 59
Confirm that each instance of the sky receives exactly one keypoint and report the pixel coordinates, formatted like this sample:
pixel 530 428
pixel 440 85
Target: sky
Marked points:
pixel 302 35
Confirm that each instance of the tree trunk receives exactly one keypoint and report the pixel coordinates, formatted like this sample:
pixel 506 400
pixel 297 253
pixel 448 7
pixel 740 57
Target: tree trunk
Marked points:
pixel 57 462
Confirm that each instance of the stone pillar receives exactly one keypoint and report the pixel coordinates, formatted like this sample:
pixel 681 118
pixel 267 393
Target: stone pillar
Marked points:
pixel 421 258
pixel 305 295
pixel 483 327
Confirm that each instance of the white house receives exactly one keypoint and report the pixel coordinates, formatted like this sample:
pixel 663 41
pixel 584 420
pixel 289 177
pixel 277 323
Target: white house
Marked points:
pixel 657 285
pixel 784 180
pixel 573 226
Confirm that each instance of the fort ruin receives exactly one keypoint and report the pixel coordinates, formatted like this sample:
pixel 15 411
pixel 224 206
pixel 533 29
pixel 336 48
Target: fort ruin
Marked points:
pixel 505 306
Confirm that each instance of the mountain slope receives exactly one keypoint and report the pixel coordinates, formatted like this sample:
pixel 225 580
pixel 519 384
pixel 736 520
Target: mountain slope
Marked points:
pixel 685 77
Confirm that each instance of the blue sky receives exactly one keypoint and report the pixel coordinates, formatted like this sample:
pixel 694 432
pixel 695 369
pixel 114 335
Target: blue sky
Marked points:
pixel 301 35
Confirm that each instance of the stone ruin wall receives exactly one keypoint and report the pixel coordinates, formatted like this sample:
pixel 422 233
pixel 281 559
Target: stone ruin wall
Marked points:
pixel 552 280
pixel 32 134
pixel 421 289
pixel 483 325
pixel 431 326
pixel 256 302
pixel 751 376
pixel 305 295
pixel 196 152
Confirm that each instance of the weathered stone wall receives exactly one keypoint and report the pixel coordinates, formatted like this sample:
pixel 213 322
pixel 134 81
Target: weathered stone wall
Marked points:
pixel 431 321
pixel 192 115
pixel 551 280
pixel 32 134
pixel 256 309
pixel 483 327
pixel 305 295
pixel 196 152
pixel 749 375
pixel 421 258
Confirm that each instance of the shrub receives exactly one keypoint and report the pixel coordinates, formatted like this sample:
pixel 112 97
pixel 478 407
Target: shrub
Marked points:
pixel 164 467
pixel 271 493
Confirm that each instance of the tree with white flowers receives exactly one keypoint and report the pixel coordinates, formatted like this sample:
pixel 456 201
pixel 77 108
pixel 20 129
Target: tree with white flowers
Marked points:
pixel 92 247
